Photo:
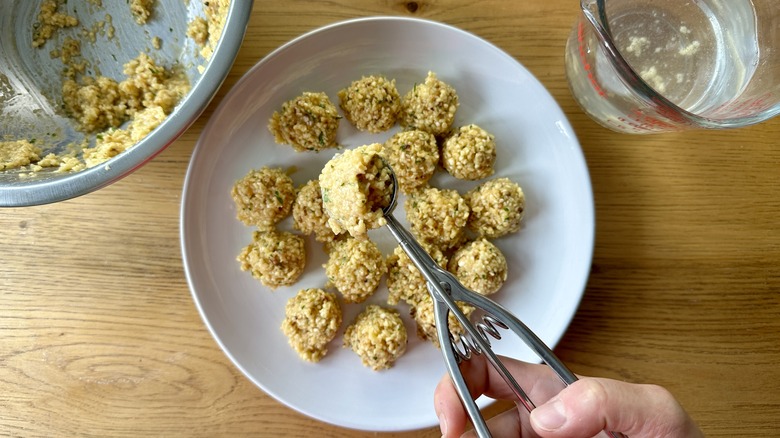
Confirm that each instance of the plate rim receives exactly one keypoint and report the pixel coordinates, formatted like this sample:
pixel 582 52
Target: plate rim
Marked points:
pixel 588 241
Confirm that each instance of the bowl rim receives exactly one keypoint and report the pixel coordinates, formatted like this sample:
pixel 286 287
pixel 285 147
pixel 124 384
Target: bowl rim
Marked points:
pixel 24 193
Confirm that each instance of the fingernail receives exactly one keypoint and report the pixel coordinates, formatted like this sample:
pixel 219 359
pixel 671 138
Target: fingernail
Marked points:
pixel 549 416
pixel 442 423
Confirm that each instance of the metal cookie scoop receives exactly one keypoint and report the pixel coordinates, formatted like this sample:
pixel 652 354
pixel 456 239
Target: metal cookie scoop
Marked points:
pixel 446 290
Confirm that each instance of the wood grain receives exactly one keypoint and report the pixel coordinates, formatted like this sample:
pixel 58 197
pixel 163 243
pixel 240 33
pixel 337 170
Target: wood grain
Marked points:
pixel 99 335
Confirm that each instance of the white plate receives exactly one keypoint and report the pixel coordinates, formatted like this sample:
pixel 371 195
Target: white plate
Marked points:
pixel 549 258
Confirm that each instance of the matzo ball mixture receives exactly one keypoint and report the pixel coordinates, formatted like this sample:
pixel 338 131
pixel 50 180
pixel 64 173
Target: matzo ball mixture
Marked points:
pixel 309 216
pixel 378 336
pixel 430 106
pixel 355 267
pixel 100 105
pixel 263 197
pixel 497 208
pixel 424 317
pixel 469 153
pixel 356 187
pixel 308 122
pixel 437 216
pixel 413 155
pixel 346 201
pixel 18 153
pixel 276 258
pixel 371 103
pixel 404 282
pixel 311 319
pixel 480 266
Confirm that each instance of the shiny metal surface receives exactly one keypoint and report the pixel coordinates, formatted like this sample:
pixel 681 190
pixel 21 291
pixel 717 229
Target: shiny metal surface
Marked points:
pixel 446 291
pixel 31 81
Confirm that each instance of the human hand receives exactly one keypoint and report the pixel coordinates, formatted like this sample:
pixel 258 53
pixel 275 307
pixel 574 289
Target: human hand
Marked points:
pixel 582 409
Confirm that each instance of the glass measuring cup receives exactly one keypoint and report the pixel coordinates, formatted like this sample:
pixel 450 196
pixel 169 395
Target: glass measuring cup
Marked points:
pixel 644 66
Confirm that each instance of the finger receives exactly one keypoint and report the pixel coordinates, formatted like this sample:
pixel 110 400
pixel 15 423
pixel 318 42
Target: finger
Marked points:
pixel 538 381
pixel 506 424
pixel 453 418
pixel 591 405
pixel 449 410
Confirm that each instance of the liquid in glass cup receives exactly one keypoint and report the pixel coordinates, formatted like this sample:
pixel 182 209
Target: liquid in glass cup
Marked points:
pixel 645 66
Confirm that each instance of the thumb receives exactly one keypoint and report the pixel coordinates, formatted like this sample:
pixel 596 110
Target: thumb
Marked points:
pixel 591 405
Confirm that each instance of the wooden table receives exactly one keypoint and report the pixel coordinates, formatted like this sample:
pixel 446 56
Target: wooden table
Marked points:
pixel 99 335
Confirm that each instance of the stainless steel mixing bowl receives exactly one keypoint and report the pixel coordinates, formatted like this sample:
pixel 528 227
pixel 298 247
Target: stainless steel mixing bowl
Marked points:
pixel 31 83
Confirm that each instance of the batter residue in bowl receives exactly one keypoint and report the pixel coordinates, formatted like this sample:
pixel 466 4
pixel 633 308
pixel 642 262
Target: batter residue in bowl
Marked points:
pixel 119 112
